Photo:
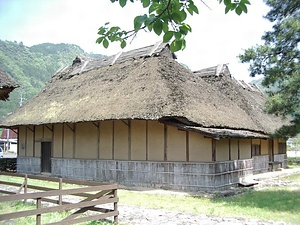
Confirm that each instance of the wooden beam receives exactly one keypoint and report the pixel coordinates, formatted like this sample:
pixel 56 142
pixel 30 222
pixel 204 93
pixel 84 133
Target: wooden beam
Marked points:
pixel 74 141
pixel 127 124
pixel 147 149
pixel 51 129
pixel 30 128
pixel 229 140
pixel 71 128
pixel 165 142
pixel 129 139
pixel 113 140
pixel 213 152
pixel 187 146
pixel 239 152
pixel 63 140
pixel 33 146
pixel 98 139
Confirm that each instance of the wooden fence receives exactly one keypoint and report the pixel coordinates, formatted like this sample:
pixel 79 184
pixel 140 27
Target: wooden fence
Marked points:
pixel 101 194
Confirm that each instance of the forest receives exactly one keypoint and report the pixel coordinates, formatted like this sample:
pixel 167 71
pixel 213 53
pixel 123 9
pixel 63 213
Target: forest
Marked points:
pixel 32 67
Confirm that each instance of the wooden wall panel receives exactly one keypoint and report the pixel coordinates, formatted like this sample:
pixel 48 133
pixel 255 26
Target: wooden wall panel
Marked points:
pixel 200 148
pixel 155 141
pixel 234 149
pixel 222 150
pixel 57 140
pixel 121 140
pixel 86 141
pixel 138 140
pixel 106 140
pixel 176 144
pixel 245 148
pixel 68 142
pixel 264 147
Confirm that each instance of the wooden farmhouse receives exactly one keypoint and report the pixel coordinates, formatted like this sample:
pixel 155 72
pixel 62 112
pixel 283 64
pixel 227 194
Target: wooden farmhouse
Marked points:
pixel 7 85
pixel 140 118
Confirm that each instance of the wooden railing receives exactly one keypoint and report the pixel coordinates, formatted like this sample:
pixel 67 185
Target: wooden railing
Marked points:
pixel 101 194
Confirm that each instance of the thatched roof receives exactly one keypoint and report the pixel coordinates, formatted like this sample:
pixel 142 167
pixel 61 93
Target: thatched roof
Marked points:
pixel 143 84
pixel 7 85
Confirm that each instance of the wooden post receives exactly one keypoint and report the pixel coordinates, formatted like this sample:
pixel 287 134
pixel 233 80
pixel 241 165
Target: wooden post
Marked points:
pixel 115 206
pixel 38 216
pixel 25 185
pixel 60 188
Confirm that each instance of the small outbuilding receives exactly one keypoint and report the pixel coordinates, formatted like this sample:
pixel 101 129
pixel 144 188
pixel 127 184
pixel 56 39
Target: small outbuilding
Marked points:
pixel 7 85
pixel 140 118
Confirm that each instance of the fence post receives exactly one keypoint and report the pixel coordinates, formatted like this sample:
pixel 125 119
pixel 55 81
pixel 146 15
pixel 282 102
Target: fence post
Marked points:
pixel 25 185
pixel 116 206
pixel 38 216
pixel 60 188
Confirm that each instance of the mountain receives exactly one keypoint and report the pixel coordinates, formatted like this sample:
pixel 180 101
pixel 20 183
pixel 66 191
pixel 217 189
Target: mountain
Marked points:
pixel 31 67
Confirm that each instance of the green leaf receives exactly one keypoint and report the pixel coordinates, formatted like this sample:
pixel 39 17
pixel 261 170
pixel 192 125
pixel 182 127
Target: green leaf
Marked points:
pixel 177 35
pixel 101 30
pixel 227 9
pixel 238 10
pixel 122 3
pixel 146 3
pixel 243 7
pixel 167 36
pixel 114 29
pixel 99 40
pixel 194 8
pixel 105 43
pixel 157 27
pixel 153 7
pixel 138 21
pixel 177 45
pixel 123 44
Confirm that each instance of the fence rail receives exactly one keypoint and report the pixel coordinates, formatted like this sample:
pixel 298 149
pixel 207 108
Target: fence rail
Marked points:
pixel 102 193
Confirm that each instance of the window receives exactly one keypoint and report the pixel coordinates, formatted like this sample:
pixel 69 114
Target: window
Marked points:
pixel 255 150
pixel 281 148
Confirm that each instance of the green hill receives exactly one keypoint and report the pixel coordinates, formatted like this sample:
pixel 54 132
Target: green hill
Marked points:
pixel 31 67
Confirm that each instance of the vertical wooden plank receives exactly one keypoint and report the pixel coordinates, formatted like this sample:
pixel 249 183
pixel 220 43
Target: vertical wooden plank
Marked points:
pixel 165 142
pixel 115 206
pixel 187 146
pixel 147 149
pixel 25 185
pixel 251 148
pixel 74 140
pixel 62 138
pixel 43 131
pixel 239 153
pixel 113 141
pixel 33 144
pixel 38 216
pixel 213 150
pixel 60 188
pixel 98 143
pixel 229 142
pixel 26 140
pixel 129 139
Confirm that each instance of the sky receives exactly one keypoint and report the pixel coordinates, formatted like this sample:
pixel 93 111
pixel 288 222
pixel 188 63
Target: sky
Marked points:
pixel 216 38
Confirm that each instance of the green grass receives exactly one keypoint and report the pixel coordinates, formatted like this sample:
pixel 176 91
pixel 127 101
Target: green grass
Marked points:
pixel 279 204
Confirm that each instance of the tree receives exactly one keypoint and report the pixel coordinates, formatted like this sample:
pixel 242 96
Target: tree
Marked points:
pixel 165 17
pixel 278 59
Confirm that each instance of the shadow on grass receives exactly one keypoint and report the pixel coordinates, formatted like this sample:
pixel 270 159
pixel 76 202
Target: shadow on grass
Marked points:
pixel 273 199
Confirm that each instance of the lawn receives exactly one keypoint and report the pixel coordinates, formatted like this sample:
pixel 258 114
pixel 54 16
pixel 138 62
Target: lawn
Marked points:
pixel 270 203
